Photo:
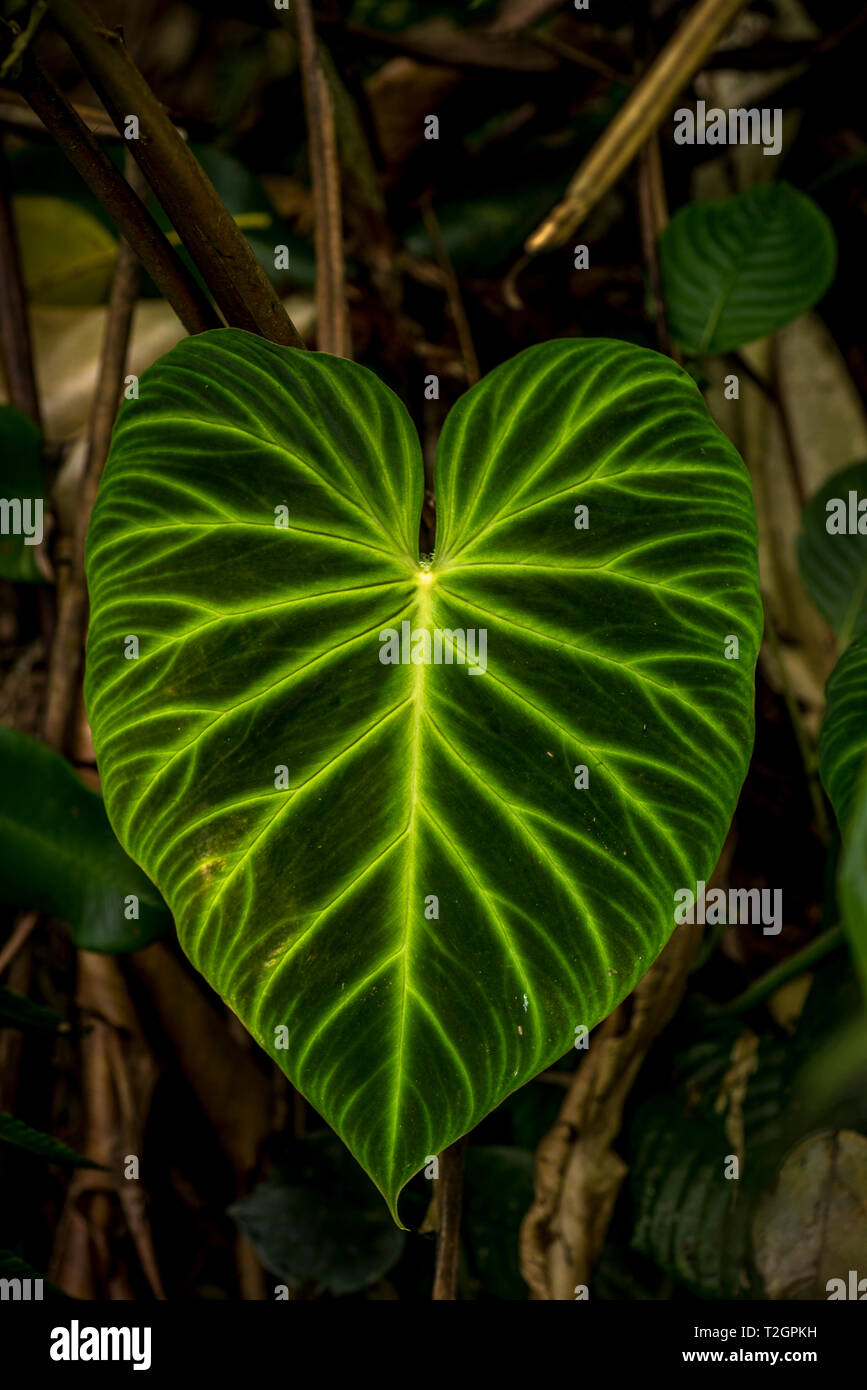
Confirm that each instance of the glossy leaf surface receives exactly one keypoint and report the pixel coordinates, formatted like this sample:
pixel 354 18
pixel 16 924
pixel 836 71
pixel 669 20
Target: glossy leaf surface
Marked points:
pixel 843 741
pixel 394 873
pixel 738 269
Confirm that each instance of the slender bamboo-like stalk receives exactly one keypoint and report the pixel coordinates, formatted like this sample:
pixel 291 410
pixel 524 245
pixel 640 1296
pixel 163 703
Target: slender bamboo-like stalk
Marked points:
pixel 106 183
pixel 332 320
pixel 207 229
pixel 640 115
pixel 14 325
pixel 445 1287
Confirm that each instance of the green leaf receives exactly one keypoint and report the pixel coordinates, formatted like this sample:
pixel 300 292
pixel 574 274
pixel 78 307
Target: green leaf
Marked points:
pixel 741 268
pixel 843 740
pixel 17 1011
pixel 23 482
pixel 22 1136
pixel 67 256
pixel 497 1194
pixel 690 1217
pixel 313 1220
pixel 13 1267
pixel 853 881
pixel 415 925
pixel 58 853
pixel 834 564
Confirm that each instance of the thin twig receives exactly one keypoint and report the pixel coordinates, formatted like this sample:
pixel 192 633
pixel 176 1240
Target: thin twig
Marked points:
pixel 68 646
pixel 445 1287
pixel 575 55
pixel 14 324
pixel 127 210
pixel 332 331
pixel 207 229
pixel 771 390
pixel 20 932
pixel 22 40
pixel 453 290
pixel 640 115
pixel 653 216
pixel 15 113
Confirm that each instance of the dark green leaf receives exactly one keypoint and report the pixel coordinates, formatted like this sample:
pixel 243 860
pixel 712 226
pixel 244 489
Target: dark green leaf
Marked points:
pixel 22 1136
pixel 13 1267
pixel 843 740
pixel 310 898
pixel 739 269
pixel 692 1218
pixel 58 853
pixel 17 1011
pixel 498 1193
pixel 834 563
pixel 317 1220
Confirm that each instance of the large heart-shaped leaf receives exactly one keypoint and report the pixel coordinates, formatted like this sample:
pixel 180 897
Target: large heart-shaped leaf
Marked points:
pixel 395 873
pixel 739 269
pixel 834 562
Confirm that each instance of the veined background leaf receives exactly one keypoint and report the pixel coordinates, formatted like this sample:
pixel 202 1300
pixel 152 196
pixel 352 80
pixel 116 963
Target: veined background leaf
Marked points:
pixel 22 477
pixel 67 256
pixel 843 740
pixel 691 1218
pixel 415 918
pixel 739 269
pixel 58 853
pixel 853 881
pixel 834 567
pixel 303 1235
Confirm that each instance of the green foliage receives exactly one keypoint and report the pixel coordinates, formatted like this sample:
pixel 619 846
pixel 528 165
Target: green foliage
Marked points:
pixel 58 853
pixel 853 881
pixel 843 741
pixel 416 918
pixel 306 1237
pixel 67 256
pixel 33 1141
pixel 13 1267
pixel 17 1011
pixel 23 477
pixel 741 268
pixel 498 1193
pixel 834 564
pixel 692 1216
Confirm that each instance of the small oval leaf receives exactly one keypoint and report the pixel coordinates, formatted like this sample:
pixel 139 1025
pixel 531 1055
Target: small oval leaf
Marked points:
pixel 738 269
pixel 411 879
